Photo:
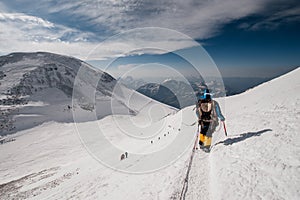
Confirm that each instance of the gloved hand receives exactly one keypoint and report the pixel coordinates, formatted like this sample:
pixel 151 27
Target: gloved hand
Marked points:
pixel 222 119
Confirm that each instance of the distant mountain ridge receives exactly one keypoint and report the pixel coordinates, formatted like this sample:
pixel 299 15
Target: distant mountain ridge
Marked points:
pixel 233 86
pixel 159 93
pixel 40 87
pixel 178 94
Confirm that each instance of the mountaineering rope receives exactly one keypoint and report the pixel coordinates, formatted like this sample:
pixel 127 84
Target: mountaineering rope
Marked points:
pixel 185 184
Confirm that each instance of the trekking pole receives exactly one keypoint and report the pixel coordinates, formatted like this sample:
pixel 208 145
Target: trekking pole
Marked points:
pixel 197 137
pixel 225 128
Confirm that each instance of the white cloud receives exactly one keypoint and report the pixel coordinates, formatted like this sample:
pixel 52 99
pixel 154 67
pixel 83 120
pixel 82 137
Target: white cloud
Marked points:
pixel 78 24
pixel 20 32
pixel 143 40
pixel 277 18
pixel 29 20
pixel 198 19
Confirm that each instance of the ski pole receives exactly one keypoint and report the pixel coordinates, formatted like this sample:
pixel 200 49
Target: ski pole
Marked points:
pixel 197 137
pixel 225 128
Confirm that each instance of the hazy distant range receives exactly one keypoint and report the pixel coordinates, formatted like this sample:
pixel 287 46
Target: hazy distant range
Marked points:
pixel 236 85
pixel 233 85
pixel 161 92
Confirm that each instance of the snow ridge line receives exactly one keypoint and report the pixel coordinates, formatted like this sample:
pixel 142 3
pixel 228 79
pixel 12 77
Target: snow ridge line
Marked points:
pixel 186 180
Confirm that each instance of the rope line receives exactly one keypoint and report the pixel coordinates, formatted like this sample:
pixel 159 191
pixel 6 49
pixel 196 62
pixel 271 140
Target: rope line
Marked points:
pixel 186 180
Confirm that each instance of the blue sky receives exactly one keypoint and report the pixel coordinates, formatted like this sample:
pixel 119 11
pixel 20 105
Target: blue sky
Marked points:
pixel 264 52
pixel 257 38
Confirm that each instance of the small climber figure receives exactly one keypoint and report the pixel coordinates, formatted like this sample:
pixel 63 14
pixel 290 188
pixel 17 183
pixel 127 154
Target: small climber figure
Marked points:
pixel 126 154
pixel 123 156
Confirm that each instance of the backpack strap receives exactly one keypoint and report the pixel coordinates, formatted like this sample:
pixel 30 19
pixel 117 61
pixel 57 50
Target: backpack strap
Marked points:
pixel 199 110
pixel 213 111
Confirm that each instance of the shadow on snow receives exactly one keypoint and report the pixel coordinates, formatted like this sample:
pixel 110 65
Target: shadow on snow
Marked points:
pixel 242 137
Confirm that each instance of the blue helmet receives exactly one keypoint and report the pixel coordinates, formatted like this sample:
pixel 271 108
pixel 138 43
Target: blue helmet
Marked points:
pixel 206 94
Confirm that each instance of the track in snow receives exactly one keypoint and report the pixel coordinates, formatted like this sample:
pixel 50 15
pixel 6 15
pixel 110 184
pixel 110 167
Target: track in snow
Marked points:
pixel 198 185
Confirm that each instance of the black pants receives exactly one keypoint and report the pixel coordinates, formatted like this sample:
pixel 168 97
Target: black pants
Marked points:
pixel 207 129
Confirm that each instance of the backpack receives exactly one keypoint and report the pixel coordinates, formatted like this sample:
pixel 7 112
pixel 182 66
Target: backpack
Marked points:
pixel 207 112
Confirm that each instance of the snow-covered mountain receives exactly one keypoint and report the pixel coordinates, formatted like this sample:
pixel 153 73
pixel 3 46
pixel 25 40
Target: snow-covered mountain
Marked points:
pixel 38 87
pixel 159 93
pixel 182 94
pixel 258 160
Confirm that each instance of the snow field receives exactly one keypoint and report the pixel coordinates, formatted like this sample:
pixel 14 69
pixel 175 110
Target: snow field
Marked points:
pixel 258 160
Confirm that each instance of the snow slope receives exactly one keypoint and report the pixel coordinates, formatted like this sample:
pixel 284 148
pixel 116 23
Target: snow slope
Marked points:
pixel 50 162
pixel 259 159
pixel 39 87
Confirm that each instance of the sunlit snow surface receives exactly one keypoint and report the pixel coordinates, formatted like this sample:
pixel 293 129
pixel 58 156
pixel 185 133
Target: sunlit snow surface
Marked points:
pixel 260 158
